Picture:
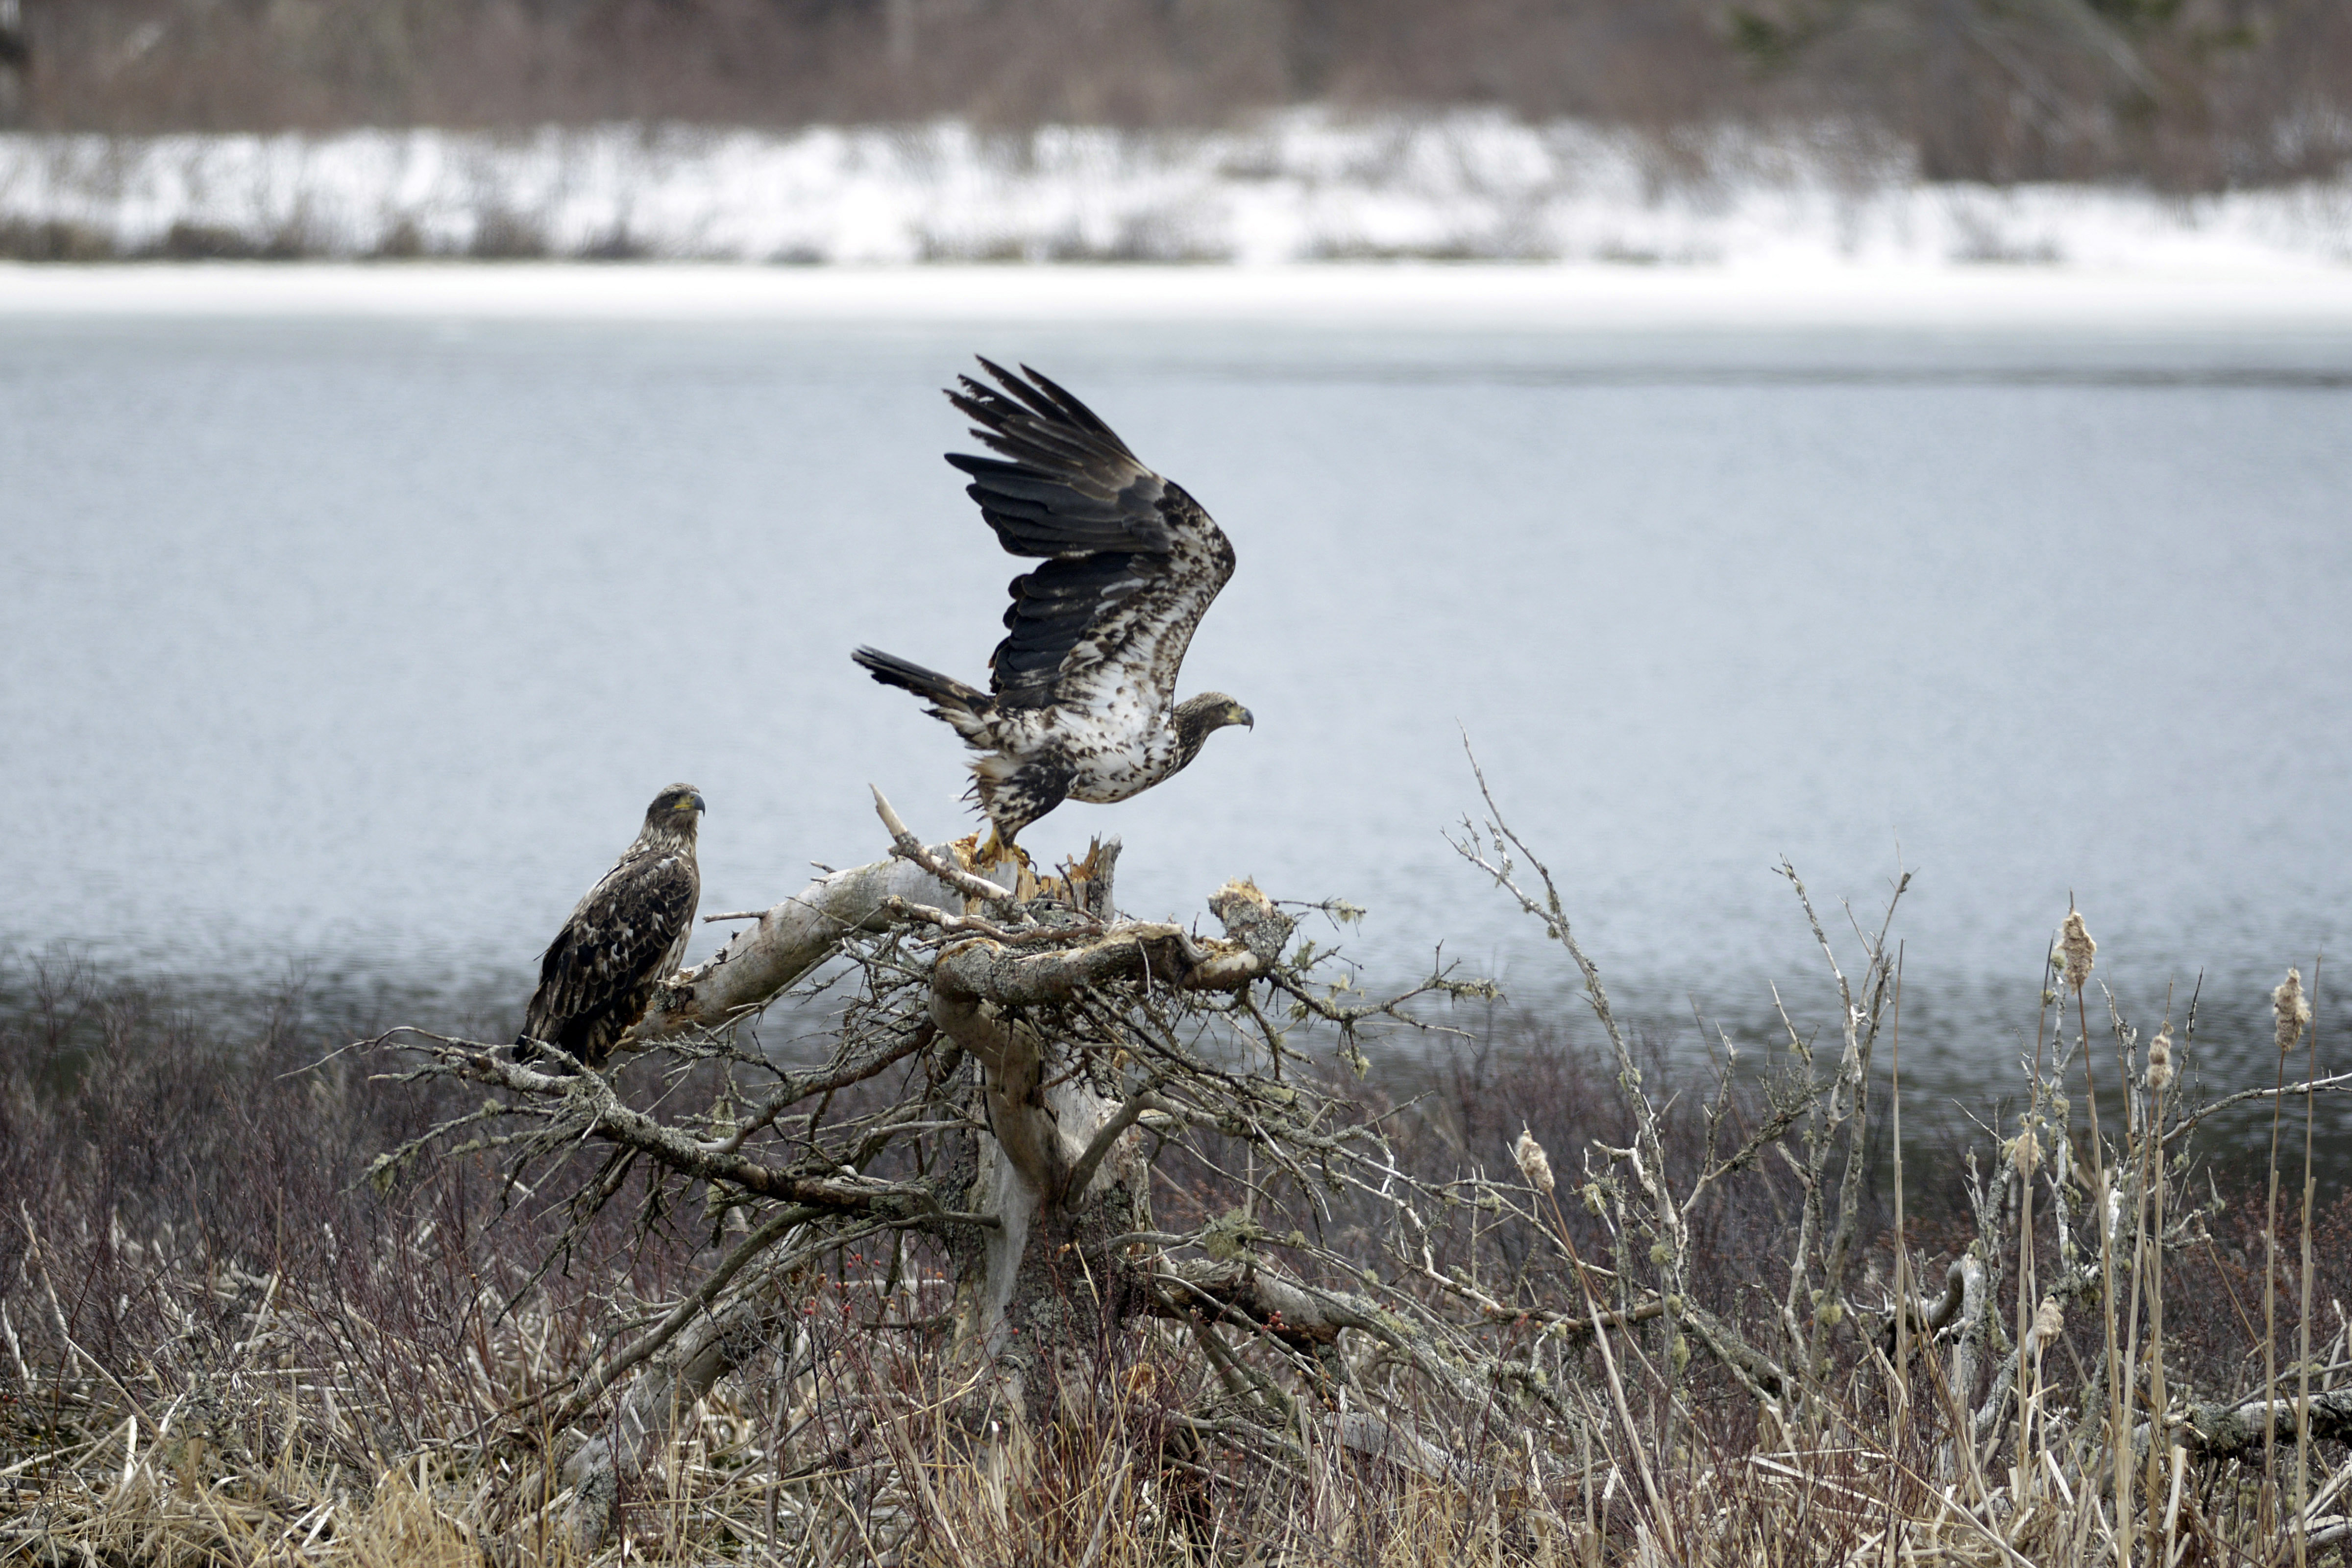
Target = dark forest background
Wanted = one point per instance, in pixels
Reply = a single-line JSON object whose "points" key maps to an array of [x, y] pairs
{"points": [[2182, 94]]}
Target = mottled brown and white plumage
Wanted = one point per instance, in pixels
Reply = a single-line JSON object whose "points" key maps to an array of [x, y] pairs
{"points": [[1081, 702], [600, 974]]}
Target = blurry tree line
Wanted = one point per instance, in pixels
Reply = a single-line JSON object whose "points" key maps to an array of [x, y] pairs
{"points": [[2184, 93]]}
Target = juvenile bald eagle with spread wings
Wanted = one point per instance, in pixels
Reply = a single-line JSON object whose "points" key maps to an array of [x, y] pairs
{"points": [[600, 974], [1081, 703]]}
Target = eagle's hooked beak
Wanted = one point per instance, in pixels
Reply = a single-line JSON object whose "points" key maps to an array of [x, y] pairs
{"points": [[1241, 717], [697, 800]]}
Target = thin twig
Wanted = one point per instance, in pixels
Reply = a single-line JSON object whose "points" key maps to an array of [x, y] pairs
{"points": [[907, 846]]}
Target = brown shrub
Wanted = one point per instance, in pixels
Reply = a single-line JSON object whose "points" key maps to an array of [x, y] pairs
{"points": [[2190, 95]]}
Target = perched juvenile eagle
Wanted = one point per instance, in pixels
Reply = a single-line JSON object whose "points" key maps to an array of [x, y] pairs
{"points": [[600, 972], [1081, 703]]}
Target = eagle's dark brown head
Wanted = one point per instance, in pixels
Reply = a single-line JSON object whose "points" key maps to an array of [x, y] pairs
{"points": [[673, 815], [1196, 716]]}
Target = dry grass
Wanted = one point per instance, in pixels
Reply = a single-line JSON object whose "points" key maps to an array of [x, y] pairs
{"points": [[222, 1347]]}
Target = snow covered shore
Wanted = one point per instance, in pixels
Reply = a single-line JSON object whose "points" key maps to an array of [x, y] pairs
{"points": [[1304, 186], [1513, 299]]}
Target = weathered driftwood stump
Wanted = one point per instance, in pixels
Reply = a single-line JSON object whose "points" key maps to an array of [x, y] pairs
{"points": [[1040, 1018]]}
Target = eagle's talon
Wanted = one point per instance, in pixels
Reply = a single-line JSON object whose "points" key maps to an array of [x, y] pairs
{"points": [[993, 851]]}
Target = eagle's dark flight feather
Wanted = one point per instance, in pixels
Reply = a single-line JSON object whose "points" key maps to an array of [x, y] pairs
{"points": [[1082, 698]]}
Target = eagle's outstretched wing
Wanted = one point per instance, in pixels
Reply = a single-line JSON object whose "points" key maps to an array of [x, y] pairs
{"points": [[1132, 561], [599, 972]]}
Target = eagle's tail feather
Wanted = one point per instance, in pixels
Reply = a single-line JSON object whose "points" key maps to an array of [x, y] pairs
{"points": [[945, 690]]}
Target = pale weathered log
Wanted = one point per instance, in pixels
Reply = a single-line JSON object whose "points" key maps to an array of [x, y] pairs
{"points": [[1048, 1134], [756, 1319], [1975, 1298], [1153, 952], [1376, 1437], [1307, 1317], [761, 962], [1047, 1124], [1051, 1188], [2226, 1431], [1245, 1292]]}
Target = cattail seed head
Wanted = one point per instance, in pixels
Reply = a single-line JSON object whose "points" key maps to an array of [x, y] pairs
{"points": [[1534, 1163], [2294, 1011], [2159, 1060], [2076, 948], [2049, 1321]]}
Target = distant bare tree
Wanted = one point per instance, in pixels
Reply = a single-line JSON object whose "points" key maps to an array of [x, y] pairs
{"points": [[2191, 95], [16, 54]]}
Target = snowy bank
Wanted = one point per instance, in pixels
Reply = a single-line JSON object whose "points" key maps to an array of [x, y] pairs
{"points": [[1303, 186], [1480, 297]]}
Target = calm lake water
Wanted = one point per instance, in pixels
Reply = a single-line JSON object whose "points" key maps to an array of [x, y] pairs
{"points": [[358, 646]]}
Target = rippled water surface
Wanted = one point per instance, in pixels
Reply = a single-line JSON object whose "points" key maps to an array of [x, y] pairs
{"points": [[360, 645]]}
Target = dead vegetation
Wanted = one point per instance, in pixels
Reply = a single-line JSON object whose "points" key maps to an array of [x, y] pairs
{"points": [[1036, 1235], [2183, 94]]}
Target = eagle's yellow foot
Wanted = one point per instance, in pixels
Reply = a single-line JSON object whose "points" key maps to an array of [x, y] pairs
{"points": [[994, 851], [983, 856]]}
